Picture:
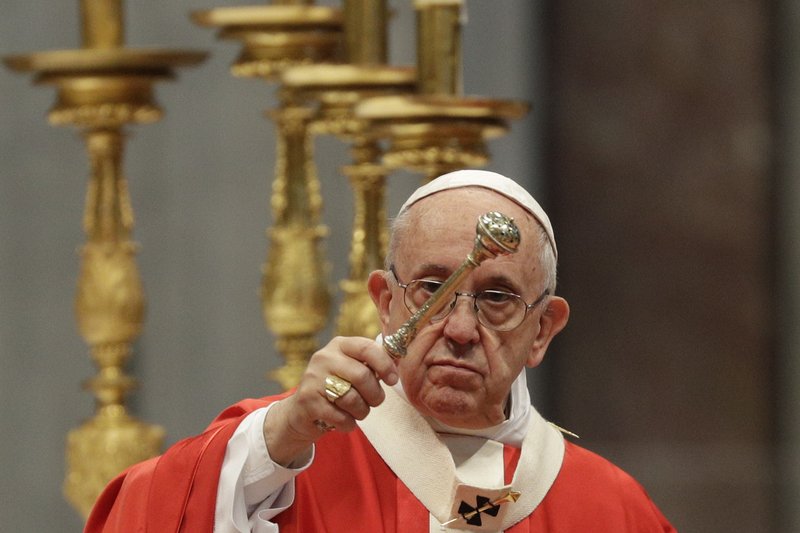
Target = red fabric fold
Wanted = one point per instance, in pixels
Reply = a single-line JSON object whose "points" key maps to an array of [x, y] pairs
{"points": [[350, 488]]}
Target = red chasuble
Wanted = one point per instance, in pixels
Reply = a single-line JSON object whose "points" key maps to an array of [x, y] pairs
{"points": [[349, 488]]}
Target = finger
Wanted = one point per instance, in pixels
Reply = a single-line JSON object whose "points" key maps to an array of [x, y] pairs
{"points": [[311, 409], [371, 354], [352, 359], [347, 398], [338, 418], [362, 379], [353, 404]]}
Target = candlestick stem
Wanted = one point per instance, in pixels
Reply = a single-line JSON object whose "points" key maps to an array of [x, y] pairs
{"points": [[102, 24]]}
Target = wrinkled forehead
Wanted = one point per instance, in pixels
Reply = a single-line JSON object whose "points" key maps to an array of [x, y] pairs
{"points": [[450, 217]]}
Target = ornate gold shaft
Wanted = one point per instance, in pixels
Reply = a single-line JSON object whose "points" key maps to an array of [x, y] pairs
{"points": [[496, 234], [110, 311], [295, 294], [357, 314]]}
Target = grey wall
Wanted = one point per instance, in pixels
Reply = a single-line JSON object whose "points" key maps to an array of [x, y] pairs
{"points": [[663, 180], [199, 181]]}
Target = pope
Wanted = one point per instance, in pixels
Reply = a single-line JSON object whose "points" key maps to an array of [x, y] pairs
{"points": [[442, 438]]}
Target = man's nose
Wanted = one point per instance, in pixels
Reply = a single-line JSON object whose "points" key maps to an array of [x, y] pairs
{"points": [[461, 323]]}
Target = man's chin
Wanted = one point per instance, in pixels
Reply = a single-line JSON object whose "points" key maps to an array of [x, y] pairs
{"points": [[450, 406]]}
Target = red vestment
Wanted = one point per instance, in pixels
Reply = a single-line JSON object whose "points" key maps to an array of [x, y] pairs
{"points": [[349, 488]]}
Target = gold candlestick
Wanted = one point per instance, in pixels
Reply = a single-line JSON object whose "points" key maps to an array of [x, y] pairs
{"points": [[294, 292], [438, 129], [336, 90], [101, 88]]}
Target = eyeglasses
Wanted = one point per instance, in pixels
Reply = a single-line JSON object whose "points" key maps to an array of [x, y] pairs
{"points": [[497, 310]]}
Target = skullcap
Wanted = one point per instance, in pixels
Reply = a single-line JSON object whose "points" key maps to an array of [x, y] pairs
{"points": [[488, 180]]}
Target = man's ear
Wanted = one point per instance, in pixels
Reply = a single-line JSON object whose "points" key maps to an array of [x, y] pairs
{"points": [[381, 294], [551, 322]]}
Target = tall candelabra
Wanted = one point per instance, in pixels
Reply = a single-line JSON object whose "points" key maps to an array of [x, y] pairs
{"points": [[102, 87], [294, 290]]}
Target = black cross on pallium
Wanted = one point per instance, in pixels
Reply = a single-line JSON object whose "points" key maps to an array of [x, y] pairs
{"points": [[472, 515]]}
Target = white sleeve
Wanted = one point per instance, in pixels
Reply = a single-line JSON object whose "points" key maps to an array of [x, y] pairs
{"points": [[253, 488]]}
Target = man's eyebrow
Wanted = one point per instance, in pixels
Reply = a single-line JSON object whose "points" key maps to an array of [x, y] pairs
{"points": [[495, 280], [432, 269], [501, 280]]}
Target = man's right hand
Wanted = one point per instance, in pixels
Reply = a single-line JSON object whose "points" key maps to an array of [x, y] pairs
{"points": [[293, 425]]}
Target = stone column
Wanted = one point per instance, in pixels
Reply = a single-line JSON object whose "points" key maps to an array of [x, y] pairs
{"points": [[660, 166], [787, 229]]}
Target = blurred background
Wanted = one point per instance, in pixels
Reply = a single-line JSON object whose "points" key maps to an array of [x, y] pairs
{"points": [[663, 141]]}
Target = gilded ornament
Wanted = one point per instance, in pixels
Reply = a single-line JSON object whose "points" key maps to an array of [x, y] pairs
{"points": [[101, 88]]}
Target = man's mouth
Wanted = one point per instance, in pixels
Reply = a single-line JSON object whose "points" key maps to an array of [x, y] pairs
{"points": [[454, 364], [452, 371]]}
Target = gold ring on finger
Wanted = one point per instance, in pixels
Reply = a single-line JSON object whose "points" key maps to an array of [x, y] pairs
{"points": [[336, 387]]}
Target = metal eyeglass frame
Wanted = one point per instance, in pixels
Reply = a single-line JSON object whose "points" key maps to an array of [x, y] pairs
{"points": [[474, 296]]}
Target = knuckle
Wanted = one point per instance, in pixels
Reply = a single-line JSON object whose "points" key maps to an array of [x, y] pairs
{"points": [[362, 374], [337, 340], [376, 399]]}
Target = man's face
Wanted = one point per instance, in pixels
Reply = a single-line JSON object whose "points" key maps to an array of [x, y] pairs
{"points": [[457, 370]]}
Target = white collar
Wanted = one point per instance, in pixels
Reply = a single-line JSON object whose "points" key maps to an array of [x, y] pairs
{"points": [[431, 476]]}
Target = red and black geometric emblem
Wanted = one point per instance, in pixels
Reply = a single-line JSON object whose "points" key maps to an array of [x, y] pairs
{"points": [[472, 515]]}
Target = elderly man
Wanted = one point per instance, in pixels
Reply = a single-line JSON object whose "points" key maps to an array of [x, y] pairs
{"points": [[442, 439]]}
